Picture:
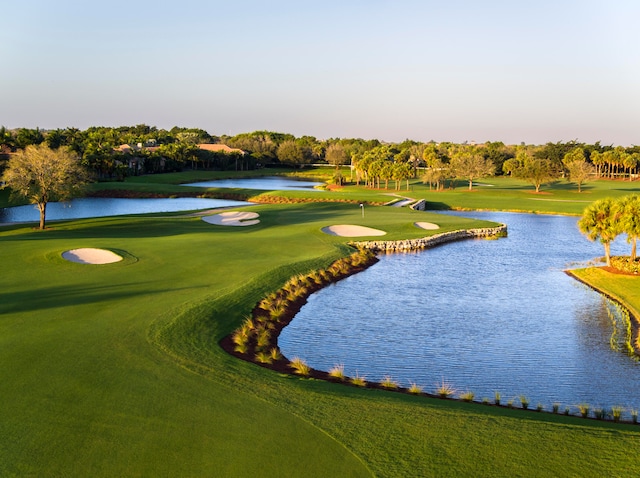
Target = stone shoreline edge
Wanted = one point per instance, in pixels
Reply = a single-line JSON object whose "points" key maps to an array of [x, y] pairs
{"points": [[410, 245], [635, 321]]}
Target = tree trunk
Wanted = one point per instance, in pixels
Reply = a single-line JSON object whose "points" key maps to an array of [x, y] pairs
{"points": [[607, 253], [42, 207], [470, 184], [633, 248]]}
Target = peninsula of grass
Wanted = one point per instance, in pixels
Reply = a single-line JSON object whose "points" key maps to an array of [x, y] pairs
{"points": [[115, 370]]}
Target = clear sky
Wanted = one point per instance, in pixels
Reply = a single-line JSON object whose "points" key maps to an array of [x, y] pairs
{"points": [[455, 70]]}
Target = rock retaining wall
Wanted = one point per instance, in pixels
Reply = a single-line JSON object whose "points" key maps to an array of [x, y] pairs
{"points": [[409, 245], [420, 205]]}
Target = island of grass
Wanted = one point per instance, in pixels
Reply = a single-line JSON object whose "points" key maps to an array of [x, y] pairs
{"points": [[117, 371]]}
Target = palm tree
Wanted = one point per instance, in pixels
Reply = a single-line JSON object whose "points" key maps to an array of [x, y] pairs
{"points": [[629, 207], [600, 221]]}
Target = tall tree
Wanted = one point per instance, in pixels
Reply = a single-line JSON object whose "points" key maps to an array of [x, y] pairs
{"points": [[7, 141], [290, 152], [336, 155], [42, 174], [577, 166], [537, 171], [629, 211], [599, 221], [468, 163]]}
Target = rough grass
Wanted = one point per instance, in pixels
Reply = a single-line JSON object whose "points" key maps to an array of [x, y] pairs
{"points": [[115, 370]]}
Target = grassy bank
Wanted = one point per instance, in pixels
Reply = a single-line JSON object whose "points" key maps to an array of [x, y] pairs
{"points": [[115, 370], [624, 289]]}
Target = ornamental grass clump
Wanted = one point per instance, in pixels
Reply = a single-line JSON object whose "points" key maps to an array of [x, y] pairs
{"points": [[415, 389], [275, 354], [555, 407], [264, 357], [584, 409], [358, 380], [389, 383], [599, 413], [496, 398], [616, 413], [337, 372], [634, 416], [300, 367], [467, 396], [539, 407], [445, 390], [524, 401]]}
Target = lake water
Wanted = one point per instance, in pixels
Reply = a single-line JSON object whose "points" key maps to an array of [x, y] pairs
{"points": [[100, 207], [480, 315], [267, 183]]}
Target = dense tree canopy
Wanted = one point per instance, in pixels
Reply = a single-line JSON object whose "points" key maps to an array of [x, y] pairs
{"points": [[42, 174]]}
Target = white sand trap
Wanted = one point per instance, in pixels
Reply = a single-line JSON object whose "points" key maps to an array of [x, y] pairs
{"points": [[427, 225], [91, 256], [233, 218], [347, 230]]}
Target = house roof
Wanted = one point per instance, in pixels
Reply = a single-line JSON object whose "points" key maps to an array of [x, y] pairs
{"points": [[219, 148]]}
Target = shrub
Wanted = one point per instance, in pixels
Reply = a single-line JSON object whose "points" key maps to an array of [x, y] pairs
{"points": [[567, 411], [584, 408], [467, 396], [415, 389], [616, 413], [300, 367], [241, 348], [389, 383], [599, 413], [524, 401], [555, 407], [634, 416], [275, 354], [264, 357], [240, 337], [359, 380], [539, 407], [337, 372], [445, 390], [496, 398], [263, 338]]}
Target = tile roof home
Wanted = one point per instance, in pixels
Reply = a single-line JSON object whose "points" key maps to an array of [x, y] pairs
{"points": [[219, 148]]}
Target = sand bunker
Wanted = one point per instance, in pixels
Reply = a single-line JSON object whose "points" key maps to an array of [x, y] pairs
{"points": [[346, 230], [233, 218], [427, 225], [91, 256]]}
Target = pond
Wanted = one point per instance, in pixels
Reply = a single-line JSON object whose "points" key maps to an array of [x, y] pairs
{"points": [[100, 207], [267, 183], [484, 316]]}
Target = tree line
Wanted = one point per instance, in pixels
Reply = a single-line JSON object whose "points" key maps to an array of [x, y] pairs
{"points": [[373, 162]]}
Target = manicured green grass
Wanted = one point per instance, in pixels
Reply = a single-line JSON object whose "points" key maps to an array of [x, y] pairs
{"points": [[115, 370]]}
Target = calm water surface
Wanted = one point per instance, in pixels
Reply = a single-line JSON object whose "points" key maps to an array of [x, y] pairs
{"points": [[269, 183], [483, 316], [100, 207]]}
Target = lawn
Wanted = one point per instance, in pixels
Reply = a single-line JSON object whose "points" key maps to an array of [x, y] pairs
{"points": [[115, 370]]}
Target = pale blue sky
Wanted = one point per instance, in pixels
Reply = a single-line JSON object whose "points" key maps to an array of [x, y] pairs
{"points": [[448, 70]]}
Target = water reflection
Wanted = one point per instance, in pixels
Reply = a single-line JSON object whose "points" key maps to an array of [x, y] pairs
{"points": [[101, 207], [267, 183], [484, 316]]}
